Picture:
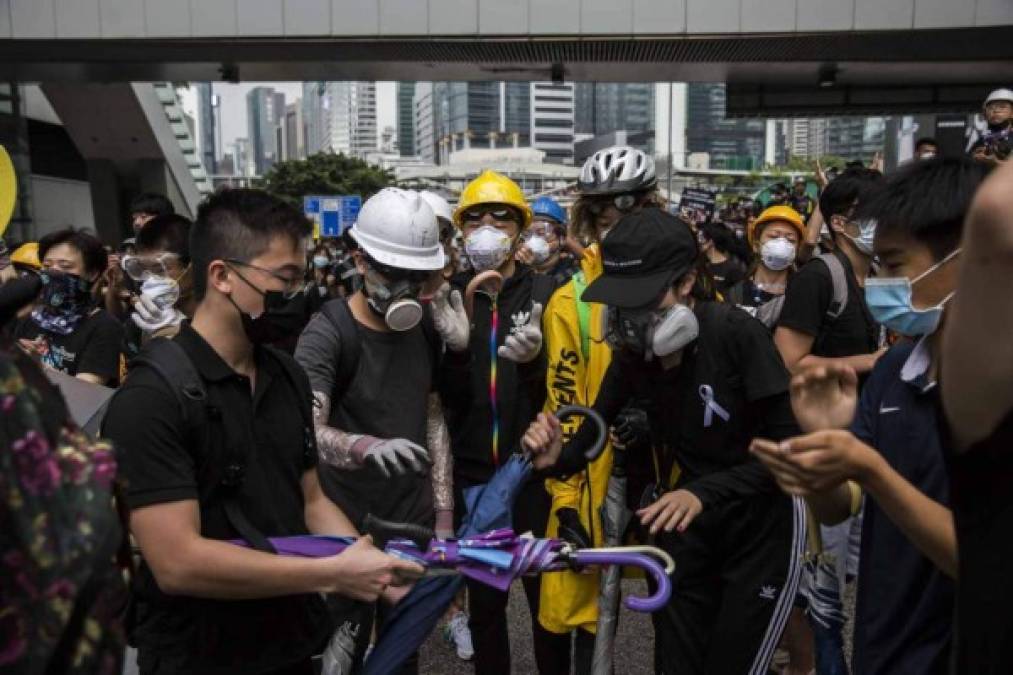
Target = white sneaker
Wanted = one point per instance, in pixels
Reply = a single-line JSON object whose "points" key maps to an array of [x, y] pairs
{"points": [[456, 633]]}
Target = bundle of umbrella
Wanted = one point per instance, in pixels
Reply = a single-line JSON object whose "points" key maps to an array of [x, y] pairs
{"points": [[486, 549]]}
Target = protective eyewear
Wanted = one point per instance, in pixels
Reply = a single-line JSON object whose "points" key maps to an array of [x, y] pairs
{"points": [[622, 202], [396, 274], [501, 214], [293, 285], [541, 228], [141, 268]]}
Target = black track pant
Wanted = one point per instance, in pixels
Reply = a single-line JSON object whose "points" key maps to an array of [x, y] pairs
{"points": [[558, 657], [736, 573]]}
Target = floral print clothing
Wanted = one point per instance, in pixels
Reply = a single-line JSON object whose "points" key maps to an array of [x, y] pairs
{"points": [[56, 522]]}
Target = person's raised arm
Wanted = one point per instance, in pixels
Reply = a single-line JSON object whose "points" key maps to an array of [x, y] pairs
{"points": [[977, 361]]}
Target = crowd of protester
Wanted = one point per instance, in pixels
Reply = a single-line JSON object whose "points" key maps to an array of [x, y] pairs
{"points": [[807, 393]]}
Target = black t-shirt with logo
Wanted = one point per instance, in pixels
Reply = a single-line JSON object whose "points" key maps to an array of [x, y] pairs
{"points": [[731, 387], [162, 463], [726, 274], [808, 297], [93, 347]]}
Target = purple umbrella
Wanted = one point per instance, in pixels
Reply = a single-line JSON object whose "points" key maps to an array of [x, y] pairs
{"points": [[486, 550]]}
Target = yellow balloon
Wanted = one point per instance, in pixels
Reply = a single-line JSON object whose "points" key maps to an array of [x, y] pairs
{"points": [[8, 189]]}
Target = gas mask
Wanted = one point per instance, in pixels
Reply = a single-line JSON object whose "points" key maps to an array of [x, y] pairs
{"points": [[393, 293], [650, 333]]}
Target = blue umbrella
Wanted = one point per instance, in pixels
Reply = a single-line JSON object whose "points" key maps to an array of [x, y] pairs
{"points": [[489, 507]]}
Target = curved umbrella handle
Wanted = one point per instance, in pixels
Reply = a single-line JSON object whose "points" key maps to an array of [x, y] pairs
{"points": [[651, 603], [492, 277], [600, 440]]}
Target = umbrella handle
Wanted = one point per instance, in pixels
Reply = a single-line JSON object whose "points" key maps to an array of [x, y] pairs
{"points": [[491, 277], [619, 556], [383, 531], [600, 440]]}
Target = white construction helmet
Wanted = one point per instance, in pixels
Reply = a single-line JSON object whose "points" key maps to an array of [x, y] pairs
{"points": [[397, 228], [616, 170], [999, 95], [438, 204]]}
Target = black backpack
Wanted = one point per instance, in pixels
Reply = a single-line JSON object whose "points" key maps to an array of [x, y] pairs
{"points": [[202, 423]]}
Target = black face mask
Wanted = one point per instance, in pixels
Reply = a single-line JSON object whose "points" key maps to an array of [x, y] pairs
{"points": [[282, 317]]}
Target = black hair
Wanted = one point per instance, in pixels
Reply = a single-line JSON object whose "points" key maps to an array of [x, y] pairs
{"points": [[852, 187], [166, 233], [239, 224], [152, 203], [927, 201], [93, 253], [925, 140], [723, 238]]}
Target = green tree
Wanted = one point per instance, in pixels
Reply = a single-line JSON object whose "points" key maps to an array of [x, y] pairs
{"points": [[324, 174]]}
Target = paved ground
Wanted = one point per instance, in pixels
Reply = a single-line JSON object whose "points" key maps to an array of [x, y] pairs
{"points": [[634, 643]]}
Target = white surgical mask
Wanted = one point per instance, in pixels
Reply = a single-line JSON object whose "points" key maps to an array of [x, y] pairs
{"points": [[488, 248], [866, 236], [777, 254]]}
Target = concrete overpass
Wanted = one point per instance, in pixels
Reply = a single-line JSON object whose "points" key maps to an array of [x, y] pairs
{"points": [[778, 56]]}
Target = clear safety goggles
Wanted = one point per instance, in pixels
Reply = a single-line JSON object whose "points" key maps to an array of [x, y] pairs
{"points": [[140, 268]]}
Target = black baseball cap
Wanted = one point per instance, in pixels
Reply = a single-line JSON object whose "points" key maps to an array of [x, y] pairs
{"points": [[642, 255]]}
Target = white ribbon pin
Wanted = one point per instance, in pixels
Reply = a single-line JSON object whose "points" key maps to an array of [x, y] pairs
{"points": [[711, 406]]}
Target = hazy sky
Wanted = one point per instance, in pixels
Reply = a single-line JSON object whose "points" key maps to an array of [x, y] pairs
{"points": [[234, 105]]}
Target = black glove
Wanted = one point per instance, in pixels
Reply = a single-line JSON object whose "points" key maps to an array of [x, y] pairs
{"points": [[631, 428], [571, 530]]}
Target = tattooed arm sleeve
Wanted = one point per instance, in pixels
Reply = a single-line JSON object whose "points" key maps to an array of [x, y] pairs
{"points": [[438, 440], [333, 445]]}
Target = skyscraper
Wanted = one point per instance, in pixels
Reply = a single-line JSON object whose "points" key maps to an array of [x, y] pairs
{"points": [[291, 133], [806, 137], [314, 114], [856, 137], [552, 120], [424, 123], [730, 143], [264, 109], [349, 118], [406, 118], [207, 127], [604, 107]]}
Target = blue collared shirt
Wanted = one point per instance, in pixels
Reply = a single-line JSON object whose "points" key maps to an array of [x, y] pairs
{"points": [[905, 604]]}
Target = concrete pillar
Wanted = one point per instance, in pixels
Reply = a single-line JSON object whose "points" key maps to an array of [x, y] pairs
{"points": [[110, 220]]}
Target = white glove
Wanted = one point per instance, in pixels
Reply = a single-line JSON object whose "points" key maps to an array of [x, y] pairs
{"points": [[397, 454], [525, 341], [450, 319], [149, 317]]}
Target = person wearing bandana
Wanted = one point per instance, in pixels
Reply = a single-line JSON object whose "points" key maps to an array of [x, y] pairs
{"points": [[66, 330], [710, 380]]}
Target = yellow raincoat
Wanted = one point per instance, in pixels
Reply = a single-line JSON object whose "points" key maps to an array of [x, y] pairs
{"points": [[578, 358]]}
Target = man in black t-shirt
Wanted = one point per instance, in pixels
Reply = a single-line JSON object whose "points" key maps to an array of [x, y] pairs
{"points": [[807, 334], [246, 470], [66, 329]]}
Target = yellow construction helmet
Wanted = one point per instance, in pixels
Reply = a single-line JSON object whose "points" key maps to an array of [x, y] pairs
{"points": [[493, 188], [8, 189], [776, 213], [28, 255]]}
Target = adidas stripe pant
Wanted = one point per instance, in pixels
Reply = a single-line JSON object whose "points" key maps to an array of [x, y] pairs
{"points": [[736, 574]]}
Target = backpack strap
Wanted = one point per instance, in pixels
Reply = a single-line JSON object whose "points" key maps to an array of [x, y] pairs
{"points": [[839, 278], [170, 362], [583, 314], [340, 316]]}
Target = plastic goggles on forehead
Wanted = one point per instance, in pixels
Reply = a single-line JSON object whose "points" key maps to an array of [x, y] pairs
{"points": [[503, 214], [622, 202], [140, 268], [396, 274]]}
